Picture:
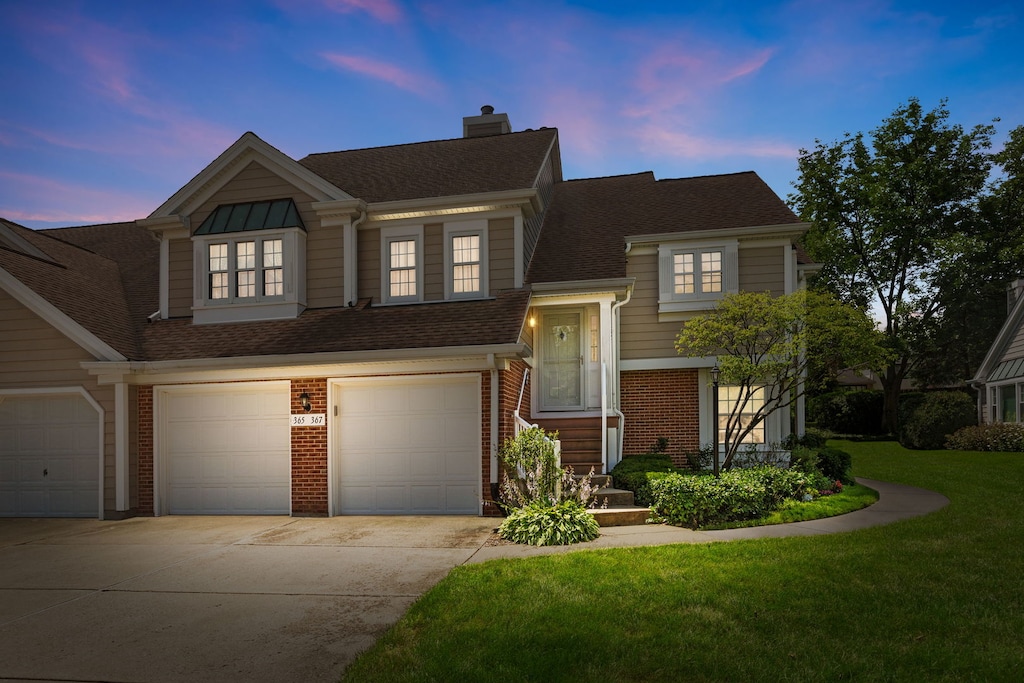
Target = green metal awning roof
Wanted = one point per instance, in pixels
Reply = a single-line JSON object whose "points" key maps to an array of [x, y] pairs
{"points": [[1008, 369], [268, 215]]}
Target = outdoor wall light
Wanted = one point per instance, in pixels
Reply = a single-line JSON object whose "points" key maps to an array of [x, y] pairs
{"points": [[304, 400], [533, 320]]}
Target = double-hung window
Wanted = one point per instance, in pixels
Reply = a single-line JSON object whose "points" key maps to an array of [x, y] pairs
{"points": [[694, 276], [465, 259], [250, 263], [729, 402], [402, 260]]}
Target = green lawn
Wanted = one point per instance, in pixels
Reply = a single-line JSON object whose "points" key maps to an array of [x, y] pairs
{"points": [[929, 599]]}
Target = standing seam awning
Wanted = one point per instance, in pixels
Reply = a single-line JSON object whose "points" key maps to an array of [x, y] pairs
{"points": [[1008, 369], [265, 215]]}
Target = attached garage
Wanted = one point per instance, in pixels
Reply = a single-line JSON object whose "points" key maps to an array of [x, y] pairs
{"points": [[224, 449], [50, 455], [408, 445]]}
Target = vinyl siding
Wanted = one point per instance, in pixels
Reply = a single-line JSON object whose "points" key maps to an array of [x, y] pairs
{"points": [[1015, 349], [762, 269], [641, 333], [433, 262], [501, 254], [33, 355], [179, 278], [369, 264]]}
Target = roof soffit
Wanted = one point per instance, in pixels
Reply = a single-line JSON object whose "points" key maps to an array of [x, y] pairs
{"points": [[233, 161]]}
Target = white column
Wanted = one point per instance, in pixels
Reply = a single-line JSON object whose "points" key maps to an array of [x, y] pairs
{"points": [[121, 499]]}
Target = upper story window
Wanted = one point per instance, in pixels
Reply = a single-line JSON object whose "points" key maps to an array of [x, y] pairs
{"points": [[250, 263], [465, 259], [694, 276], [402, 250]]}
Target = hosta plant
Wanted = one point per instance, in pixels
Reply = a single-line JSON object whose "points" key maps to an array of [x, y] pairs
{"points": [[539, 523]]}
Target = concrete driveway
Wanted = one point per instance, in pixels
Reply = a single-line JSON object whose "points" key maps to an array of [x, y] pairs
{"points": [[213, 598]]}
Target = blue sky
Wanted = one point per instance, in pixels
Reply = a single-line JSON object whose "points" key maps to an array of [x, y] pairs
{"points": [[110, 107]]}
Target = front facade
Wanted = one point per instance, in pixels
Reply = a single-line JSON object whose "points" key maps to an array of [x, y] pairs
{"points": [[356, 332], [1000, 379]]}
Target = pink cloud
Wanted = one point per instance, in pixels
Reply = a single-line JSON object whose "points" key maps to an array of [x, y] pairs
{"points": [[381, 10], [46, 200], [664, 141], [383, 71]]}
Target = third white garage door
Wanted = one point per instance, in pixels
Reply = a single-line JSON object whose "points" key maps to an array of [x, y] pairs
{"points": [[409, 445]]}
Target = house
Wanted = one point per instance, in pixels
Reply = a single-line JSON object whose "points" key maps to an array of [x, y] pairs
{"points": [[356, 332], [1000, 379]]}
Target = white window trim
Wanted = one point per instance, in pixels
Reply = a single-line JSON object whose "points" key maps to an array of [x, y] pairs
{"points": [[464, 229], [397, 234], [234, 309], [669, 301], [995, 405]]}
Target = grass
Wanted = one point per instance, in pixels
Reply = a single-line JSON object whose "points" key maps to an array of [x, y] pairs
{"points": [[853, 497], [936, 598]]}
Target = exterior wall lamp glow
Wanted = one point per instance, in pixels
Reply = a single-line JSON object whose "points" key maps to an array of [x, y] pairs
{"points": [[304, 401]]}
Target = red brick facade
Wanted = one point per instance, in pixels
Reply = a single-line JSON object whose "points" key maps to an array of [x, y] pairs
{"points": [[309, 451], [661, 403], [145, 454]]}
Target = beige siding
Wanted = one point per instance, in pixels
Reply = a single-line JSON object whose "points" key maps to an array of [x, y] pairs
{"points": [[642, 336], [369, 264], [433, 262], [1015, 349], [179, 278], [324, 246], [501, 254], [763, 269], [35, 355]]}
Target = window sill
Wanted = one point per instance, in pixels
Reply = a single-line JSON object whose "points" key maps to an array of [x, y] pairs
{"points": [[238, 313]]}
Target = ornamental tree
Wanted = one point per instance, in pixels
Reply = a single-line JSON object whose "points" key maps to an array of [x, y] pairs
{"points": [[766, 345]]}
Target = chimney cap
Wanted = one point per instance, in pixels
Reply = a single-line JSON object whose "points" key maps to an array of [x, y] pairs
{"points": [[486, 109]]}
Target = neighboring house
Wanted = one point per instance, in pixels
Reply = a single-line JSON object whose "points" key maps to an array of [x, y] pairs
{"points": [[356, 332], [1000, 379]]}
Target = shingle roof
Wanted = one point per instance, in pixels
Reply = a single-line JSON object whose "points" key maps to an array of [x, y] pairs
{"points": [[326, 330], [104, 277], [586, 225], [437, 169]]}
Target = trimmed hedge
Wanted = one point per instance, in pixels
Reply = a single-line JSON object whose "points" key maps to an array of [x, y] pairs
{"points": [[635, 472], [1000, 436], [933, 417], [696, 500]]}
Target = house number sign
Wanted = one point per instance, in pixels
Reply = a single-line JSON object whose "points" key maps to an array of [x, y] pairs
{"points": [[309, 419]]}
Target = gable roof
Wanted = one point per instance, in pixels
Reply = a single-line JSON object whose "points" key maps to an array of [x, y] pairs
{"points": [[588, 222], [999, 364], [440, 168], [103, 278]]}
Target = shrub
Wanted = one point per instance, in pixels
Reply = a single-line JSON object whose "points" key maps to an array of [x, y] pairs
{"points": [[834, 464], [1000, 436], [937, 415], [639, 483], [847, 412], [695, 500], [540, 524]]}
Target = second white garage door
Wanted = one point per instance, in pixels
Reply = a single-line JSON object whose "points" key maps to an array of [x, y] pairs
{"points": [[226, 449], [409, 445]]}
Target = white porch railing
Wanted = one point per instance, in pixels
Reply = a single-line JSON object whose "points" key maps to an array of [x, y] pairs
{"points": [[521, 424]]}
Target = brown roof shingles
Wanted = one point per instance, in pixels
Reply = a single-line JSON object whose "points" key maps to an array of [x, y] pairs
{"points": [[327, 330], [440, 168], [91, 287], [588, 221]]}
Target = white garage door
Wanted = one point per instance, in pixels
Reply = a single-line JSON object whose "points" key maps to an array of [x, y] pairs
{"points": [[226, 449], [409, 446], [49, 456]]}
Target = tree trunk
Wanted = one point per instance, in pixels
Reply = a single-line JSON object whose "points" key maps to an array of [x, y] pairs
{"points": [[892, 382]]}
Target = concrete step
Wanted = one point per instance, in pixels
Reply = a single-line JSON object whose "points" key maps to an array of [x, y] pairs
{"points": [[614, 497], [626, 515]]}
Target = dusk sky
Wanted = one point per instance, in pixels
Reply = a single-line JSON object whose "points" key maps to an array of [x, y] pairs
{"points": [[111, 106]]}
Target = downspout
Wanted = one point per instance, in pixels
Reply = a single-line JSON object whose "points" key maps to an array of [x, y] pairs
{"points": [[351, 247], [616, 384], [493, 362]]}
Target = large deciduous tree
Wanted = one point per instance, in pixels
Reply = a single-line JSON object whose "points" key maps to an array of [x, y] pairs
{"points": [[765, 346], [890, 217]]}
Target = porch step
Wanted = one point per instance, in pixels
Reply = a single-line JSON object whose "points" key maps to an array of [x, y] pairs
{"points": [[614, 497], [625, 515]]}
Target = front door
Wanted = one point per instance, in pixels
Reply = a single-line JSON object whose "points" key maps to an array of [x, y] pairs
{"points": [[561, 361]]}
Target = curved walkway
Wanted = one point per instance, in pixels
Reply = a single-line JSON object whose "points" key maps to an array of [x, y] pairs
{"points": [[895, 502]]}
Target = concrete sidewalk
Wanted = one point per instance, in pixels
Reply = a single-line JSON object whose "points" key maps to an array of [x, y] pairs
{"points": [[895, 502], [264, 598]]}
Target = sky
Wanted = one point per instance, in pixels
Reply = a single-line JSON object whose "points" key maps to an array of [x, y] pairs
{"points": [[111, 106]]}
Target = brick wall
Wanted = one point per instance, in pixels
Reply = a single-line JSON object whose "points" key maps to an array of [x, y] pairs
{"points": [[661, 403], [144, 483], [309, 452]]}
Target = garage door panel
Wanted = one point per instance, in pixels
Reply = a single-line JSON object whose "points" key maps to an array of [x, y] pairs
{"points": [[49, 456], [409, 446], [228, 450]]}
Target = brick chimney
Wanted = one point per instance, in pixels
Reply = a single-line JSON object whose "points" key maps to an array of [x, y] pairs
{"points": [[488, 123]]}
